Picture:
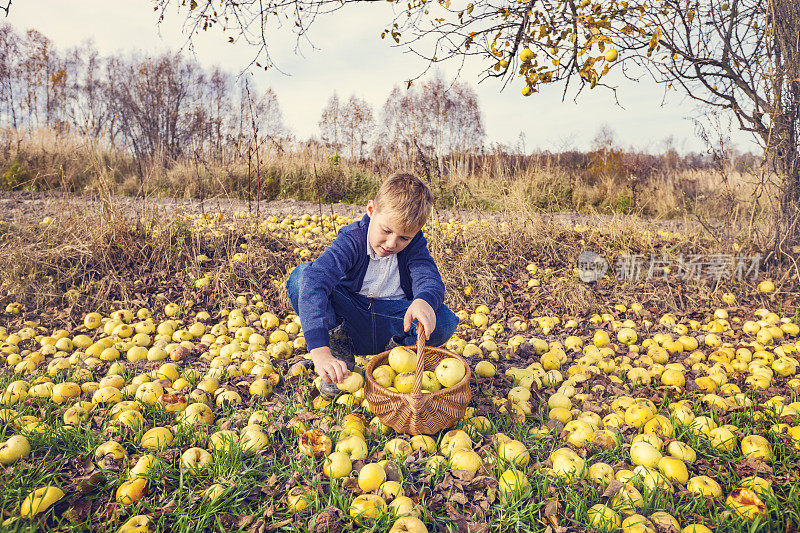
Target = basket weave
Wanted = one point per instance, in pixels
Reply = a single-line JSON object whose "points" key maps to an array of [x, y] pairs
{"points": [[419, 413]]}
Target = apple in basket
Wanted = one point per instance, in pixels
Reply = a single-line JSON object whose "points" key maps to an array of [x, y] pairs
{"points": [[401, 360]]}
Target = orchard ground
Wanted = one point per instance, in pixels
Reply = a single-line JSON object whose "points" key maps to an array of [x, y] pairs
{"points": [[657, 400]]}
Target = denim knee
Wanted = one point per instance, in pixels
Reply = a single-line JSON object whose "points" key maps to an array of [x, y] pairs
{"points": [[446, 323], [293, 285]]}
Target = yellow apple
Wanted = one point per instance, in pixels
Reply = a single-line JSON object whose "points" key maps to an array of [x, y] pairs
{"points": [[485, 369], [214, 491], [371, 477], [450, 371], [136, 524], [638, 414], [453, 440], [696, 528], [404, 382], [408, 524], [367, 507], [746, 503], [195, 459], [643, 453], [567, 464], [464, 459], [299, 499], [352, 382], [628, 500], [637, 523], [577, 433], [429, 382], [627, 336], [514, 452], [144, 466], [602, 473], [390, 490], [402, 360], [398, 448], [681, 450], [132, 491], [384, 375], [704, 486], [110, 454], [674, 470], [404, 506], [40, 500], [603, 518], [512, 482], [337, 465], [756, 446], [15, 448], [353, 446], [314, 443], [424, 442], [156, 439]]}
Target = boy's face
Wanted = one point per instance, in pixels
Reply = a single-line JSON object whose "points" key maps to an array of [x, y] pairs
{"points": [[386, 235]]}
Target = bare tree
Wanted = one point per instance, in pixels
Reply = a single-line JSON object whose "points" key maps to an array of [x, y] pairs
{"points": [[9, 53], [357, 123], [330, 123], [736, 55]]}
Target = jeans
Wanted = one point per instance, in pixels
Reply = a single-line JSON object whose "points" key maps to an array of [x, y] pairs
{"points": [[370, 324]]}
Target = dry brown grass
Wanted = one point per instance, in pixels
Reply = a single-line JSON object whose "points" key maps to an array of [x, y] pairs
{"points": [[49, 162], [97, 260]]}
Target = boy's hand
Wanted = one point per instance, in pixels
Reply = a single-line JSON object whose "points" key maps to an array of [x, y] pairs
{"points": [[329, 368], [424, 313]]}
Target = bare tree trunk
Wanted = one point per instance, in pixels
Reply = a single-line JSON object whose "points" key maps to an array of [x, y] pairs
{"points": [[783, 143]]}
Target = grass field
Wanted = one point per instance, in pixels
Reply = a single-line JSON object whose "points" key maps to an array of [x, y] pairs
{"points": [[648, 404]]}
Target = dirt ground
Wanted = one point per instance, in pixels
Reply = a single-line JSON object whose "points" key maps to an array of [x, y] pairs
{"points": [[20, 207]]}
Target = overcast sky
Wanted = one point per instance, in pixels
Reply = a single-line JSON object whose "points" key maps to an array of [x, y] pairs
{"points": [[345, 54]]}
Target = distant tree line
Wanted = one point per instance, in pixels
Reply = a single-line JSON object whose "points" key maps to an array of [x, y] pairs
{"points": [[169, 107], [165, 105]]}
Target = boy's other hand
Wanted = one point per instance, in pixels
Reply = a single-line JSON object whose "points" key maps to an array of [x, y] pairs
{"points": [[329, 368], [423, 313]]}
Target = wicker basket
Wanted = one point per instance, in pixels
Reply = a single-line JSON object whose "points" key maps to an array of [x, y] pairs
{"points": [[419, 413]]}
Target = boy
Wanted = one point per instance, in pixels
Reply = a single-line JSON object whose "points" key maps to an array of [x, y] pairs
{"points": [[362, 294]]}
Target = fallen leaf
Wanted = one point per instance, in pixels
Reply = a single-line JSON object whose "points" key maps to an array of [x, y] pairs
{"points": [[612, 489]]}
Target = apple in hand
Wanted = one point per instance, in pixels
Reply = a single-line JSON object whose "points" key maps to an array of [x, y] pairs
{"points": [[450, 372], [351, 383]]}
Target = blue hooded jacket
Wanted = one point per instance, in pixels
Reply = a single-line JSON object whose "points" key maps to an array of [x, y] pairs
{"points": [[345, 263]]}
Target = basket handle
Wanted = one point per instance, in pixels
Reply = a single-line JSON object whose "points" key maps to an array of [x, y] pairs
{"points": [[416, 391]]}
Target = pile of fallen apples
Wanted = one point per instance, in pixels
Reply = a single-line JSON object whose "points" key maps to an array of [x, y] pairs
{"points": [[170, 378]]}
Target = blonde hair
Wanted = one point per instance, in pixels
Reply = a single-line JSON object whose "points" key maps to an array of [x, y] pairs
{"points": [[407, 197]]}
